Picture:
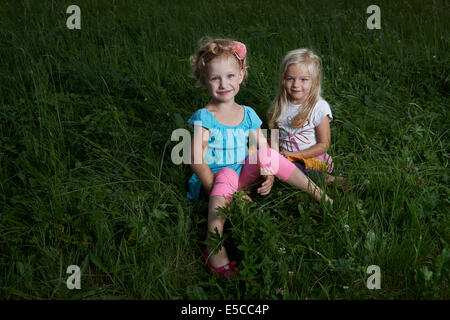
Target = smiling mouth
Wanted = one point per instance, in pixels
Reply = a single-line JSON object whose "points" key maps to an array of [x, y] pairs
{"points": [[224, 92]]}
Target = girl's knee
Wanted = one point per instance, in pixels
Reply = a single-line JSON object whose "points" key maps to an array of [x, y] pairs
{"points": [[265, 157], [266, 151], [275, 163], [328, 160], [269, 158]]}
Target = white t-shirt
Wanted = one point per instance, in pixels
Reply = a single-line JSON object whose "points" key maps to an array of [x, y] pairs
{"points": [[298, 139]]}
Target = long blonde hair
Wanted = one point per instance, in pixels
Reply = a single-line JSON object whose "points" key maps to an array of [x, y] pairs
{"points": [[312, 61]]}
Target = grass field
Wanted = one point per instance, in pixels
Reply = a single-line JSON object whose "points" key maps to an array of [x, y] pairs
{"points": [[86, 176]]}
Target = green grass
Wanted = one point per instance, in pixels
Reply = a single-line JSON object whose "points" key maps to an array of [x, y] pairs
{"points": [[86, 176]]}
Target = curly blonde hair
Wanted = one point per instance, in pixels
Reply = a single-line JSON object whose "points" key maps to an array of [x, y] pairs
{"points": [[313, 63], [210, 49]]}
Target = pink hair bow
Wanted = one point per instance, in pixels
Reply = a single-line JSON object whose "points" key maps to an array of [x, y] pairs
{"points": [[239, 49]]}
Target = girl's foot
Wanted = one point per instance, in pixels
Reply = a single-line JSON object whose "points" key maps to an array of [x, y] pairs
{"points": [[225, 270], [329, 200], [340, 182], [216, 259]]}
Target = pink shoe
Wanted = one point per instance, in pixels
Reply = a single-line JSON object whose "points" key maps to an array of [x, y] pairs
{"points": [[225, 271]]}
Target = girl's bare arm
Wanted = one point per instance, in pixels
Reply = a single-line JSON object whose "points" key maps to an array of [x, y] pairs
{"points": [[198, 163]]}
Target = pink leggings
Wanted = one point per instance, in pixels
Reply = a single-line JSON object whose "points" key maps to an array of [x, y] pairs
{"points": [[227, 181]]}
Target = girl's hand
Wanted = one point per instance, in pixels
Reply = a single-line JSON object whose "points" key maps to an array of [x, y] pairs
{"points": [[287, 153], [266, 186]]}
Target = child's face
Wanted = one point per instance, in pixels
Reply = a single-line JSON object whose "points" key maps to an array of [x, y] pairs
{"points": [[298, 83], [223, 78]]}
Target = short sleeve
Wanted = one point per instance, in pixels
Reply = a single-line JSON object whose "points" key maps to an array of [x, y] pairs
{"points": [[201, 118], [254, 122], [321, 110]]}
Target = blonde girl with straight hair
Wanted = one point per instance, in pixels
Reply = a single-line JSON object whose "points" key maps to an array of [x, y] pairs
{"points": [[302, 115]]}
